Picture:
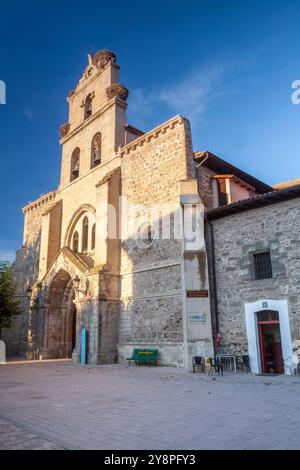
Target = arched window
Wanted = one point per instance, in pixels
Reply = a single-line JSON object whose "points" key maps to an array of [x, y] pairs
{"points": [[96, 150], [85, 235], [75, 242], [75, 164], [88, 106], [93, 243]]}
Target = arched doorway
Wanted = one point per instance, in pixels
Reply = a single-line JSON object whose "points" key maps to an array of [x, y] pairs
{"points": [[270, 342], [59, 337]]}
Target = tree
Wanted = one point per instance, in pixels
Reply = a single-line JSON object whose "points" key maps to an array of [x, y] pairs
{"points": [[10, 306]]}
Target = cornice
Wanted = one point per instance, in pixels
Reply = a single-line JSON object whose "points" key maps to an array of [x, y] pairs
{"points": [[94, 170], [153, 134], [107, 177], [38, 202]]}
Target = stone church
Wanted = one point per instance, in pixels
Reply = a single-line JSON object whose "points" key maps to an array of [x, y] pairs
{"points": [[108, 250]]}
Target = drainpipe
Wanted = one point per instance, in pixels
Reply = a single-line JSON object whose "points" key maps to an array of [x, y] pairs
{"points": [[215, 317], [183, 292]]}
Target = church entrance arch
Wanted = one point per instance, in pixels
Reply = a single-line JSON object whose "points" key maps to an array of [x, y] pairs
{"points": [[59, 336]]}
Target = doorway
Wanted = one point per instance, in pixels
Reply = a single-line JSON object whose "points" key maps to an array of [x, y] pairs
{"points": [[281, 307], [270, 342], [59, 338]]}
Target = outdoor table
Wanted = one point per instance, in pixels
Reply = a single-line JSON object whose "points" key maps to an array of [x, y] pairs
{"points": [[232, 357]]}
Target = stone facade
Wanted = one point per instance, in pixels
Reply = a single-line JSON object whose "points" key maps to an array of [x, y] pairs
{"points": [[272, 228], [127, 295], [151, 287]]}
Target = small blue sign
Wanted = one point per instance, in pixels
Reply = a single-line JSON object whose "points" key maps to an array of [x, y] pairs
{"points": [[83, 346], [198, 317]]}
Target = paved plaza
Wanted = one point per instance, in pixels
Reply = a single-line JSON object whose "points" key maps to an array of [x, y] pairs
{"points": [[59, 405]]}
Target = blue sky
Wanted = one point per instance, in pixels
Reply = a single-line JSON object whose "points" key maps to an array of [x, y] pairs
{"points": [[228, 65]]}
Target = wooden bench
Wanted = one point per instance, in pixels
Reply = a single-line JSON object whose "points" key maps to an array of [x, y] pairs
{"points": [[146, 356]]}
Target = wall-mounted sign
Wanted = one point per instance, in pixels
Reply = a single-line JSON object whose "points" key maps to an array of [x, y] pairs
{"points": [[264, 304], [197, 293], [197, 317]]}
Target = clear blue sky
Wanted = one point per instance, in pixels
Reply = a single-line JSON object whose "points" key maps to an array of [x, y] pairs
{"points": [[227, 65]]}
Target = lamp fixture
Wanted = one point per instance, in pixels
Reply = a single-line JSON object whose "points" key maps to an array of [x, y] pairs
{"points": [[76, 284]]}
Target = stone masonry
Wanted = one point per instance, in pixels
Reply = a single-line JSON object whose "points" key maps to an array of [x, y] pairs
{"points": [[108, 251], [127, 295], [236, 237]]}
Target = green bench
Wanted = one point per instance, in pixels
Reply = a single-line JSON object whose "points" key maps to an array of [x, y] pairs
{"points": [[146, 356]]}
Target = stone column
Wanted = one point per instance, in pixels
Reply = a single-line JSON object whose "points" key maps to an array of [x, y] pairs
{"points": [[93, 331], [40, 328], [109, 322], [87, 315], [31, 352]]}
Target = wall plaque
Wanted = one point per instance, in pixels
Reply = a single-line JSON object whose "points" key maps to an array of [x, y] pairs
{"points": [[197, 293], [201, 317]]}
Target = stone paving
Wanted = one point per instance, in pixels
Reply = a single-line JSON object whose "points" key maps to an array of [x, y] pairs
{"points": [[63, 406], [17, 438]]}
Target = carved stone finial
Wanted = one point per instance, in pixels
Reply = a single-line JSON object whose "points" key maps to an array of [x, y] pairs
{"points": [[64, 130], [116, 89], [102, 58]]}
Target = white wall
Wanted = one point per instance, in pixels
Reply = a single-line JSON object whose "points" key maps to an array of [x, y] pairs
{"points": [[252, 332]]}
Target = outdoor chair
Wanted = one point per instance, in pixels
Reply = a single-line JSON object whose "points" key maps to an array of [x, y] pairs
{"points": [[244, 363], [214, 365], [198, 362]]}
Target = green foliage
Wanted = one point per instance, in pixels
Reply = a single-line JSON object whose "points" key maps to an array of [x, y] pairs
{"points": [[9, 305]]}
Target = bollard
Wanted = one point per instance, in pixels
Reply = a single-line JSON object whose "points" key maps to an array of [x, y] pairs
{"points": [[83, 346]]}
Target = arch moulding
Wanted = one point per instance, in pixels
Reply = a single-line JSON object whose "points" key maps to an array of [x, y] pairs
{"points": [[74, 219]]}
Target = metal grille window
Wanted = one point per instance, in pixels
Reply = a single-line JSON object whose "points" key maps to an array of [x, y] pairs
{"points": [[262, 265]]}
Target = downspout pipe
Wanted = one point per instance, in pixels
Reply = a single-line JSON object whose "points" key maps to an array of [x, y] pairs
{"points": [[214, 297]]}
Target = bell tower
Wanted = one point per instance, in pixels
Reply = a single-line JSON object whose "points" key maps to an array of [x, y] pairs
{"points": [[97, 118]]}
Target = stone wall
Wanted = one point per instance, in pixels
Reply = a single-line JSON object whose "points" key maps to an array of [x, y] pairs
{"points": [[236, 237], [33, 213], [238, 192], [82, 191], [26, 272], [205, 186], [151, 287], [16, 336]]}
